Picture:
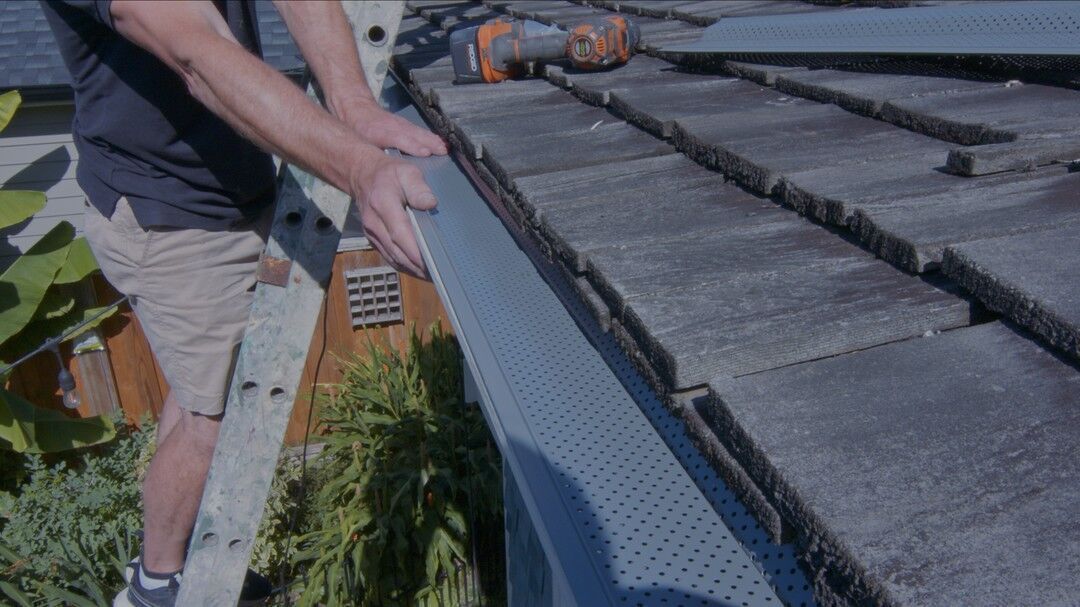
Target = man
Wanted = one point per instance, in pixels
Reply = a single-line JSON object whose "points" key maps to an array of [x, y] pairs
{"points": [[175, 118]]}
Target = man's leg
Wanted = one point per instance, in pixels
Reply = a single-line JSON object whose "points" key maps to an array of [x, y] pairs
{"points": [[170, 414], [173, 488], [191, 290]]}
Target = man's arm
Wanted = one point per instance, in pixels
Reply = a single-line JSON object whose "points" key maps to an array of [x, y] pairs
{"points": [[326, 41], [193, 39]]}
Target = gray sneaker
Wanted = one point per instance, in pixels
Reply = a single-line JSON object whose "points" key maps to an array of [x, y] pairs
{"points": [[136, 595], [255, 592]]}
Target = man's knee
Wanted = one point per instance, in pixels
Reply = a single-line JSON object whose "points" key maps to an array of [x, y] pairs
{"points": [[200, 431]]}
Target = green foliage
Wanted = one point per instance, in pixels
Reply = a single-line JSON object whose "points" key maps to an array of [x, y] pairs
{"points": [[269, 553], [83, 588], [30, 276], [25, 428], [68, 530], [406, 465], [9, 102], [40, 302], [16, 206]]}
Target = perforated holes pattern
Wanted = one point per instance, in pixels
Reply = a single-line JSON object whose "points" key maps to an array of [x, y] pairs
{"points": [[776, 562], [650, 531]]}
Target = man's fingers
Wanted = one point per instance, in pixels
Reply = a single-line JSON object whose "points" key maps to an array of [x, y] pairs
{"points": [[386, 130], [380, 237], [430, 142], [423, 144], [402, 235], [417, 193], [391, 221], [420, 141], [388, 189]]}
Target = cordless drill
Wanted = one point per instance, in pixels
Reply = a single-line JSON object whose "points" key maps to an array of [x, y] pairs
{"points": [[500, 48]]}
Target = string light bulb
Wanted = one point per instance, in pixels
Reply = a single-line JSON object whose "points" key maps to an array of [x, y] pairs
{"points": [[67, 384], [65, 379]]}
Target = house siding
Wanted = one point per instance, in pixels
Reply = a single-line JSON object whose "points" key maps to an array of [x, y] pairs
{"points": [[37, 153]]}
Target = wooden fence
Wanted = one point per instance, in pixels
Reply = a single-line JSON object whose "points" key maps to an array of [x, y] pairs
{"points": [[125, 374]]}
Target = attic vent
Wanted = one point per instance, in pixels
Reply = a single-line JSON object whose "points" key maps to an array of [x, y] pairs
{"points": [[374, 296]]}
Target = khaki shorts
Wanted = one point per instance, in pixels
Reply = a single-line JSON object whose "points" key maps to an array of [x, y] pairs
{"points": [[191, 290]]}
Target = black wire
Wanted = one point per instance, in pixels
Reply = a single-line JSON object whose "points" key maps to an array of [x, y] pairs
{"points": [[302, 489], [52, 342]]}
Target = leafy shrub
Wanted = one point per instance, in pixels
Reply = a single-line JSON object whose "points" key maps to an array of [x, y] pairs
{"points": [[69, 529], [68, 521], [269, 553], [407, 465]]}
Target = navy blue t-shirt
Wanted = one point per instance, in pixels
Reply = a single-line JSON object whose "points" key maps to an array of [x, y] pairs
{"points": [[141, 134]]}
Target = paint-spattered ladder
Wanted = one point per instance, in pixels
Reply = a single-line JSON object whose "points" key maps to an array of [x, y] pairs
{"points": [[293, 274]]}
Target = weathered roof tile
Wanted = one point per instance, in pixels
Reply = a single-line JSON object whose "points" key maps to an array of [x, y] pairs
{"points": [[758, 146], [913, 233], [928, 471], [866, 93], [1022, 155], [998, 115], [1030, 278]]}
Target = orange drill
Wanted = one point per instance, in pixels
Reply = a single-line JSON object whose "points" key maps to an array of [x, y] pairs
{"points": [[500, 48]]}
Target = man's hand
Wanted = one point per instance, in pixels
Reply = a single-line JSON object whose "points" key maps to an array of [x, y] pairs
{"points": [[326, 41], [385, 130], [382, 188], [193, 39]]}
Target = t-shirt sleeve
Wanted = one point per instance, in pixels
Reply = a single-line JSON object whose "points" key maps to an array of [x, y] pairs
{"points": [[98, 10]]}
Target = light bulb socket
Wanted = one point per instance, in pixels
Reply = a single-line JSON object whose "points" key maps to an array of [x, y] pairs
{"points": [[66, 380]]}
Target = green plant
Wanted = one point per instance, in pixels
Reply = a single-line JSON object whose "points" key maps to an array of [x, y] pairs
{"points": [[68, 529], [41, 296], [83, 588], [406, 467], [269, 553]]}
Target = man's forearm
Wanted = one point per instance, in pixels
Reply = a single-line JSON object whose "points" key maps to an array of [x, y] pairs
{"points": [[257, 101], [323, 34], [193, 39], [267, 108]]}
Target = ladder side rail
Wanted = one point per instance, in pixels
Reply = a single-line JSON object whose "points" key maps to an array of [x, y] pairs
{"points": [[294, 272]]}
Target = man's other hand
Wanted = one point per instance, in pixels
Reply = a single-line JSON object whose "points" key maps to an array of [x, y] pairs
{"points": [[382, 189], [385, 130]]}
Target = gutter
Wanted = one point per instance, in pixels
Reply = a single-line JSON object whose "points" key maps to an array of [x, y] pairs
{"points": [[600, 510]]}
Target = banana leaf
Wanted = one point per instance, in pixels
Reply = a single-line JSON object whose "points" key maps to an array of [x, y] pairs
{"points": [[24, 284], [17, 206], [56, 303], [37, 331], [9, 102], [25, 428], [79, 264]]}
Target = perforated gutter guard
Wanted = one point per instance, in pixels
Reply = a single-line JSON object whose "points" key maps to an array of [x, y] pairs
{"points": [[619, 519], [1006, 29]]}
